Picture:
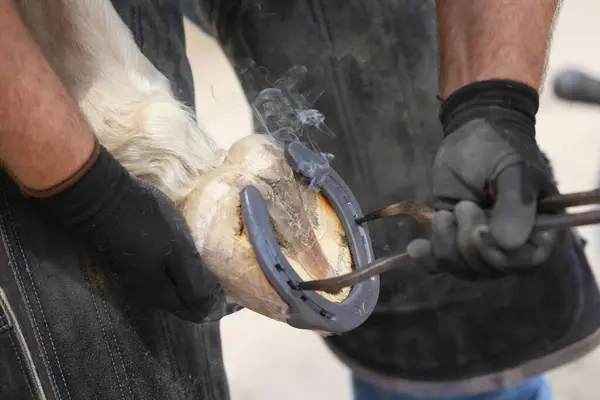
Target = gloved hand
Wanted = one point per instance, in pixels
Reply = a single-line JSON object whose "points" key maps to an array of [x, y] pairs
{"points": [[490, 157], [461, 244], [137, 233]]}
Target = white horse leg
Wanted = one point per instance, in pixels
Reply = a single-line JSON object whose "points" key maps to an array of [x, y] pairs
{"points": [[126, 100]]}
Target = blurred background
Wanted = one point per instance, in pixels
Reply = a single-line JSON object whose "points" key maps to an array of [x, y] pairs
{"points": [[267, 360]]}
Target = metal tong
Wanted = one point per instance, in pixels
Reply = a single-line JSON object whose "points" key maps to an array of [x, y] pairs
{"points": [[552, 216]]}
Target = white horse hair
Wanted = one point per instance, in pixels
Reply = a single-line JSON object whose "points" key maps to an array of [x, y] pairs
{"points": [[128, 103]]}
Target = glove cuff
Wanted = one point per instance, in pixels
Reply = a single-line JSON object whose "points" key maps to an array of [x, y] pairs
{"points": [[86, 200], [64, 185], [476, 99]]}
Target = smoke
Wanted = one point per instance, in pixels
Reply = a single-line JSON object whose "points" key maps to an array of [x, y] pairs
{"points": [[283, 108]]}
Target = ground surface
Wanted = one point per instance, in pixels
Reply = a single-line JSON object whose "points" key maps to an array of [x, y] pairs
{"points": [[269, 361]]}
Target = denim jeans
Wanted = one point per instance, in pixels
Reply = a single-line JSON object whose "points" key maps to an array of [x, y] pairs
{"points": [[534, 389], [68, 331]]}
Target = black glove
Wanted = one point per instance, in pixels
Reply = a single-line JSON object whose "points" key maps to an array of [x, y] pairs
{"points": [[139, 235], [461, 244], [490, 147], [489, 157]]}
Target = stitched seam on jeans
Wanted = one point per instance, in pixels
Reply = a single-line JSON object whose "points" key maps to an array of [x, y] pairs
{"points": [[174, 368], [44, 319], [206, 335], [35, 292], [25, 350], [119, 353], [25, 375], [173, 365], [4, 323], [104, 336], [29, 307]]}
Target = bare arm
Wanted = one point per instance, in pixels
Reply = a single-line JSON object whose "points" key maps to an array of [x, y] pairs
{"points": [[44, 139], [496, 39], [493, 56]]}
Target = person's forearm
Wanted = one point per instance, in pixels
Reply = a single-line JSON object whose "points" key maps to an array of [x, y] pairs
{"points": [[493, 39], [44, 139]]}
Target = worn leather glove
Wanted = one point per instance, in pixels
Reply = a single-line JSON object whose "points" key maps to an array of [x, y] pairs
{"points": [[489, 157], [135, 232]]}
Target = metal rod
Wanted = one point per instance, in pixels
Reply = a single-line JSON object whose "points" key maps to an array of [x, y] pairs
{"points": [[420, 212], [379, 266], [563, 201], [424, 214], [542, 222], [560, 221]]}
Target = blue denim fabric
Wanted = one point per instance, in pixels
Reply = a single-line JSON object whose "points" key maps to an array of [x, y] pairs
{"points": [[534, 389]]}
